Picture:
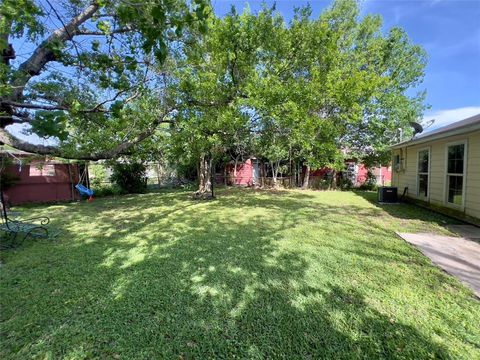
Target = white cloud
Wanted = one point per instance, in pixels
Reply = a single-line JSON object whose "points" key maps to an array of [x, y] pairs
{"points": [[448, 116]]}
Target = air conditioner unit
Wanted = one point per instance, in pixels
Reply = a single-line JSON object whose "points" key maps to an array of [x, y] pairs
{"points": [[387, 194]]}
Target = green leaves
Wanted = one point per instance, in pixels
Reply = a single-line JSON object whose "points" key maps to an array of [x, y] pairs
{"points": [[158, 15], [49, 124], [161, 51], [249, 82], [20, 17], [104, 26], [95, 45], [312, 88]]}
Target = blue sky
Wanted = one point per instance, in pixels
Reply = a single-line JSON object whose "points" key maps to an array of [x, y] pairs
{"points": [[449, 30]]}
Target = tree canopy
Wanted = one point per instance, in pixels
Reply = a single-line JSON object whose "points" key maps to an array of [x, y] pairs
{"points": [[171, 77], [90, 78]]}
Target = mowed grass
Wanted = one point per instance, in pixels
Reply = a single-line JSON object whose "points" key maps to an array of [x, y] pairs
{"points": [[290, 274]]}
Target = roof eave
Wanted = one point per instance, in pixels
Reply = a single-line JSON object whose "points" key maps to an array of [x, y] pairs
{"points": [[439, 136]]}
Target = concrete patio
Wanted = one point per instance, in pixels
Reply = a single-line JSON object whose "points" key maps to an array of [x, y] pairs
{"points": [[459, 256]]}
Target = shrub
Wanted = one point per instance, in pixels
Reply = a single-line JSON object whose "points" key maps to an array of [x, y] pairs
{"points": [[98, 176], [109, 190], [370, 182], [8, 180], [6, 177], [130, 177], [345, 183], [187, 171], [368, 187]]}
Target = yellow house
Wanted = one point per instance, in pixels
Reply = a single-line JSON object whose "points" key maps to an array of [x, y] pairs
{"points": [[441, 169]]}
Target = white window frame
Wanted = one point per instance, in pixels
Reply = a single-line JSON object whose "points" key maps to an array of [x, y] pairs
{"points": [[423, 173], [463, 142]]}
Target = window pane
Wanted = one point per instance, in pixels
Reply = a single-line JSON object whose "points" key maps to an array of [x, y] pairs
{"points": [[422, 185], [455, 159], [397, 159], [40, 169], [423, 161], [455, 187]]}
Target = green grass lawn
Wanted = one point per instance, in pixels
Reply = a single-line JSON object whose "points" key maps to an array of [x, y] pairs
{"points": [[297, 274]]}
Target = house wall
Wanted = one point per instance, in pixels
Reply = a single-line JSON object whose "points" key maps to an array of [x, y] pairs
{"points": [[437, 177], [383, 174], [244, 173], [33, 187]]}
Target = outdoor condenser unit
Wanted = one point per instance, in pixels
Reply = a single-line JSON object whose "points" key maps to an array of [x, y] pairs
{"points": [[387, 194]]}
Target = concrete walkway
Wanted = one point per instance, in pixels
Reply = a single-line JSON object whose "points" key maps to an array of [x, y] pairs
{"points": [[459, 256]]}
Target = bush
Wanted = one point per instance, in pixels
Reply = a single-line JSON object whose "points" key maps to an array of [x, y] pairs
{"points": [[345, 183], [370, 182], [8, 180], [108, 190], [186, 171], [6, 177], [130, 177], [98, 176], [368, 187]]}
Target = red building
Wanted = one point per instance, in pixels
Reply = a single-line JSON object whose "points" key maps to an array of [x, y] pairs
{"points": [[248, 173], [245, 174], [358, 173], [383, 174], [38, 181]]}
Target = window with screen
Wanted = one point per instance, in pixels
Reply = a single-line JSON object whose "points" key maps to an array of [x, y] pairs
{"points": [[455, 173], [423, 170], [41, 169]]}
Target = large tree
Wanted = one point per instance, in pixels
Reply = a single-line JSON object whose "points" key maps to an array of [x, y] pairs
{"points": [[313, 89], [308, 90], [338, 85], [214, 78], [80, 82]]}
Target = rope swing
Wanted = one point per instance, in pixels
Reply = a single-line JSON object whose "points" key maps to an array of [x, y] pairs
{"points": [[82, 189]]}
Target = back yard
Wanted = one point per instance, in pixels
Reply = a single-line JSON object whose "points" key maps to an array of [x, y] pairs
{"points": [[285, 274]]}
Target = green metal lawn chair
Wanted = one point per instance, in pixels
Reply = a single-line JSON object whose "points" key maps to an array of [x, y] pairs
{"points": [[11, 226]]}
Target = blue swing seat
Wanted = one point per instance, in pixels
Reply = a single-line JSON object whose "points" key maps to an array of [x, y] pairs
{"points": [[83, 190]]}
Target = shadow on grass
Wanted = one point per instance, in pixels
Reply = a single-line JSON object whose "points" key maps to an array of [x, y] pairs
{"points": [[408, 211], [198, 280]]}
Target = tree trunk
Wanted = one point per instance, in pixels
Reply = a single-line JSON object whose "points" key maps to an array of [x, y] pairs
{"points": [[306, 177], [275, 166], [225, 182], [274, 178], [159, 178], [262, 174], [235, 171], [334, 180], [298, 174], [204, 179], [290, 185]]}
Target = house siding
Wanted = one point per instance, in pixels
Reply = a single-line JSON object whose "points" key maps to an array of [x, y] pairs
{"points": [[40, 188], [437, 178], [244, 173]]}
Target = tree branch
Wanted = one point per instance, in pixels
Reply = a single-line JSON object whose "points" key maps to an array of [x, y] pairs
{"points": [[44, 52], [34, 106], [121, 149], [64, 26], [100, 33], [96, 108]]}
